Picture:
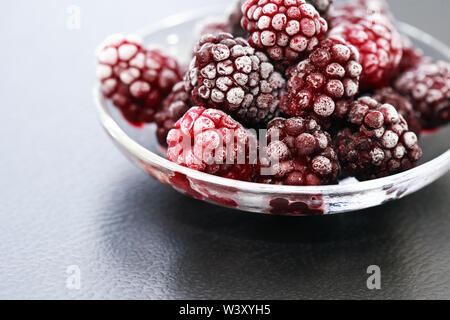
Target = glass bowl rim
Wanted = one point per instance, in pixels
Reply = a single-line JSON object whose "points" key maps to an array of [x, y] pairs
{"points": [[144, 154]]}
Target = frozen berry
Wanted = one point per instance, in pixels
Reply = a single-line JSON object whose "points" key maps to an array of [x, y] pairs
{"points": [[428, 87], [378, 143], [285, 29], [134, 78], [210, 141], [298, 153], [324, 85], [322, 6], [380, 47], [174, 107], [227, 74], [403, 106]]}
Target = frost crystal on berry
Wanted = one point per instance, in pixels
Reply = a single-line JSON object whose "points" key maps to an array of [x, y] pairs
{"points": [[298, 153], [428, 88], [377, 143], [210, 141]]}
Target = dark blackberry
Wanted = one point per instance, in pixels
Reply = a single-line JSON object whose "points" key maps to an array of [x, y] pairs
{"points": [[134, 78], [286, 30], [403, 106]]}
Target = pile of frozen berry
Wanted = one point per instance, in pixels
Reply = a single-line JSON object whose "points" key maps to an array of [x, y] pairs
{"points": [[293, 92]]}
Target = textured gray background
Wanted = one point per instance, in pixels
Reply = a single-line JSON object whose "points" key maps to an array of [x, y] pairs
{"points": [[67, 197]]}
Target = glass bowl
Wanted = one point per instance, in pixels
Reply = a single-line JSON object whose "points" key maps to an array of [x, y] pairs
{"points": [[175, 34]]}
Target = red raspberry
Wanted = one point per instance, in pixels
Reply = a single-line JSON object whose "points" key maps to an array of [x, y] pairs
{"points": [[322, 6], [324, 85], [285, 29], [403, 106], [134, 78], [428, 87], [380, 47], [299, 153], [227, 74], [174, 107], [210, 141], [378, 143]]}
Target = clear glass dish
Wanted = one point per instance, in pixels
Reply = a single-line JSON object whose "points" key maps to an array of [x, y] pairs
{"points": [[176, 34]]}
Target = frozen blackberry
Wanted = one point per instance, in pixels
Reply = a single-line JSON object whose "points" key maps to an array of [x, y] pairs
{"points": [[227, 74], [428, 87], [174, 107], [378, 143], [322, 6], [412, 56], [323, 86], [210, 141], [134, 78], [285, 29], [403, 106], [234, 19], [298, 153], [380, 48]]}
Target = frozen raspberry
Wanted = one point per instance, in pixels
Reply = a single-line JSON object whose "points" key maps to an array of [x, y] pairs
{"points": [[231, 23], [298, 153], [323, 86], [227, 74], [134, 78], [403, 106], [380, 48], [285, 29], [322, 6], [174, 107], [210, 141], [378, 143], [428, 87]]}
